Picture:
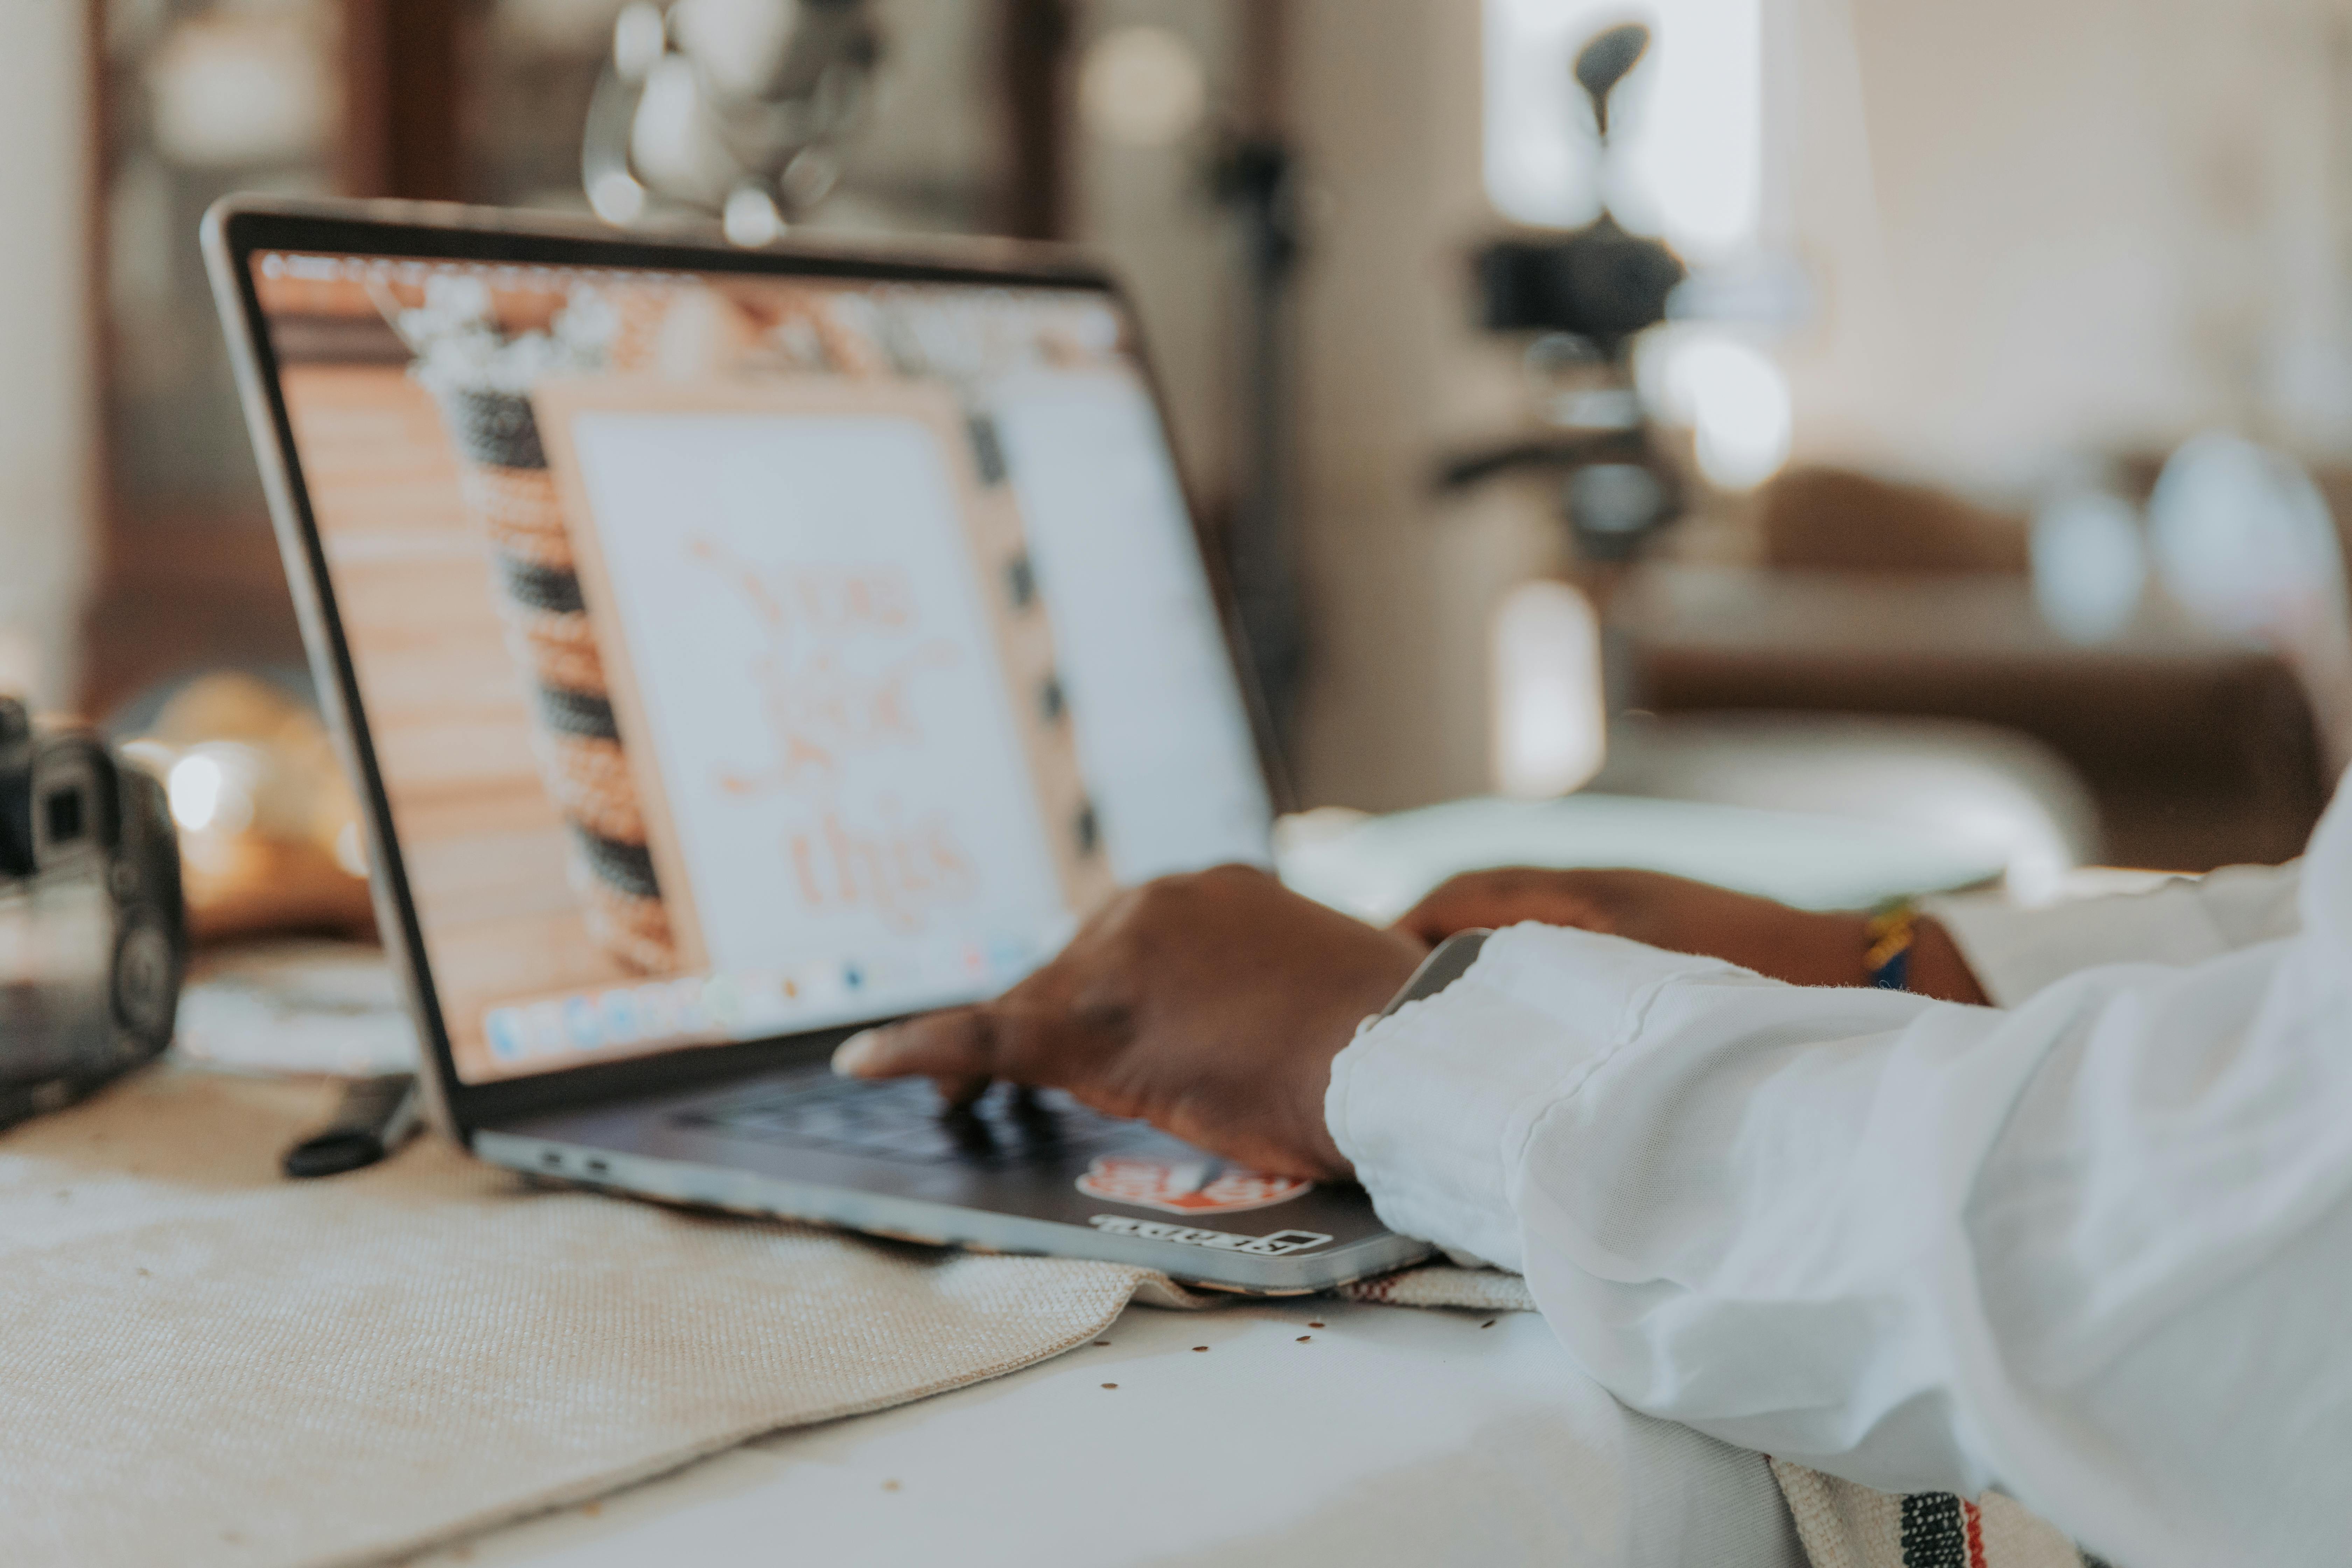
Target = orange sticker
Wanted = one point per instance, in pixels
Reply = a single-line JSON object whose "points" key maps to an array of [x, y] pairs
{"points": [[1195, 1187]]}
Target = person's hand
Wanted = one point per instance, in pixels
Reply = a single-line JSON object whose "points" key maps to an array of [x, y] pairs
{"points": [[1208, 1004], [1671, 912], [1800, 946]]}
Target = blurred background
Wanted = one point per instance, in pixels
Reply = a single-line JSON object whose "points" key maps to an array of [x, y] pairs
{"points": [[1939, 415]]}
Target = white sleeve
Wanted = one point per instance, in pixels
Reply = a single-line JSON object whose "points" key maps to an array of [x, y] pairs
{"points": [[2094, 1251], [2016, 952]]}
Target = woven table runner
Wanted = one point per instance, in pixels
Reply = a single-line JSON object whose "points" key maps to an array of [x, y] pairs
{"points": [[206, 1363]]}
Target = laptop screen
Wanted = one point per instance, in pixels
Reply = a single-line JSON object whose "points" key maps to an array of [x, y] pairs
{"points": [[751, 654]]}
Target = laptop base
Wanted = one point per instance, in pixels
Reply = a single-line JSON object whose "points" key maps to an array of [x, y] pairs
{"points": [[849, 1160]]}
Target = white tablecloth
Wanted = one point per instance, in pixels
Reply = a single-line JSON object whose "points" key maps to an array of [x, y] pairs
{"points": [[1389, 1436]]}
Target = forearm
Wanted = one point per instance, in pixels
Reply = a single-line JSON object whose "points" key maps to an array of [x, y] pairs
{"points": [[1916, 1245], [1802, 947]]}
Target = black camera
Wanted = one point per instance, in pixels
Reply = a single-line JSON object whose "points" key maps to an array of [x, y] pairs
{"points": [[1599, 283], [93, 935], [1592, 292]]}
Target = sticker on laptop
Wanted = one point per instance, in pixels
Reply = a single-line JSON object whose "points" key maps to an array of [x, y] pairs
{"points": [[1185, 1186], [1280, 1244]]}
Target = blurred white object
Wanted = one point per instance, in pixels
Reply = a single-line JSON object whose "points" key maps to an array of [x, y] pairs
{"points": [[1973, 788], [1761, 292], [301, 1006], [736, 108], [1687, 127], [1550, 732], [1376, 867], [2090, 564], [673, 144], [639, 36], [739, 45], [2246, 544], [750, 218], [20, 660], [1728, 392], [232, 91], [350, 850], [204, 796], [616, 197], [2243, 540], [1141, 86]]}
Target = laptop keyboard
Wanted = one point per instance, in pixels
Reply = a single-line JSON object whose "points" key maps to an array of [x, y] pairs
{"points": [[902, 1120]]}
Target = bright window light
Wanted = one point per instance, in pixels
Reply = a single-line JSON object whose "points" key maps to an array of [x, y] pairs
{"points": [[211, 787], [1689, 123], [351, 852], [194, 790], [1550, 734], [1729, 393]]}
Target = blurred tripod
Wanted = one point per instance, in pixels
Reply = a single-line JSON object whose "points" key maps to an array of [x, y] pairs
{"points": [[1587, 294]]}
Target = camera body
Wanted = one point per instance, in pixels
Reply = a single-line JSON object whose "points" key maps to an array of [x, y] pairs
{"points": [[93, 934], [1599, 283]]}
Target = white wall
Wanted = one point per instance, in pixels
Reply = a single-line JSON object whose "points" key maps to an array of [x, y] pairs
{"points": [[2051, 228], [1400, 587], [2039, 227], [1153, 210], [46, 425]]}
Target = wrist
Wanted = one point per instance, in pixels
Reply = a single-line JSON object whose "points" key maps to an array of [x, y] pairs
{"points": [[1932, 964], [1939, 970], [1814, 949], [1888, 933]]}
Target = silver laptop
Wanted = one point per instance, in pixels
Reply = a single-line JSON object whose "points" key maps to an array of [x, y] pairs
{"points": [[737, 649]]}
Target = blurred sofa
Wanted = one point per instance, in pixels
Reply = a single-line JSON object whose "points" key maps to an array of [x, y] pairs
{"points": [[1877, 598]]}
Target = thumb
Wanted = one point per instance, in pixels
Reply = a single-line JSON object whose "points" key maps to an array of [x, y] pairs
{"points": [[963, 1048], [956, 1048], [1439, 916]]}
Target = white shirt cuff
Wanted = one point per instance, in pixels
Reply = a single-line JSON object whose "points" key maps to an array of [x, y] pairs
{"points": [[1435, 1105], [2016, 953]]}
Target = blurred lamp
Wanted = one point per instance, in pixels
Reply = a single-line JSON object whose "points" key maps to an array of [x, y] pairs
{"points": [[750, 216]]}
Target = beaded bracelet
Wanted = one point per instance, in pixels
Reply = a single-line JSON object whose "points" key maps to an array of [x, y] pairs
{"points": [[1887, 953]]}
